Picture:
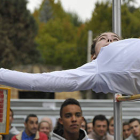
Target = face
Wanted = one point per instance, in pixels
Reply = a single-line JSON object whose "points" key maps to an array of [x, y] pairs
{"points": [[126, 131], [31, 126], [100, 127], [111, 127], [104, 40], [89, 128], [71, 119], [50, 122], [83, 125], [44, 127], [135, 128]]}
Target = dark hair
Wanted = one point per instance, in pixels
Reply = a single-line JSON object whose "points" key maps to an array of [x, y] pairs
{"points": [[58, 128], [125, 123], [12, 112], [69, 101], [134, 119], [101, 118], [30, 115]]}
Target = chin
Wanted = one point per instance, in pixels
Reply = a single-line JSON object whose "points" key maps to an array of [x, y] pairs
{"points": [[33, 133], [74, 132]]}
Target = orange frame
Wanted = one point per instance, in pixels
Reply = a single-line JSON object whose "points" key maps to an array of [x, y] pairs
{"points": [[8, 109]]}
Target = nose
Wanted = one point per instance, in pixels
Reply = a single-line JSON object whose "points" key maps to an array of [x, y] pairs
{"points": [[110, 40], [35, 125], [74, 118]]}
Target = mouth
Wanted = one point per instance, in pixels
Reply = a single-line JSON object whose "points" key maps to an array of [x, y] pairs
{"points": [[34, 129], [74, 125]]}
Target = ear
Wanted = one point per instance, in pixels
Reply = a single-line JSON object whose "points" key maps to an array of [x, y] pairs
{"points": [[60, 121], [93, 57]]}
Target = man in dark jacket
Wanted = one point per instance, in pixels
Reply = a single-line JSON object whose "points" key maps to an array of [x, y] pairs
{"points": [[69, 123]]}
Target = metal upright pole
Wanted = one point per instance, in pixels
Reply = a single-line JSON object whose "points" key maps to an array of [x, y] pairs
{"points": [[117, 119], [89, 92], [89, 45], [116, 20], [116, 16]]}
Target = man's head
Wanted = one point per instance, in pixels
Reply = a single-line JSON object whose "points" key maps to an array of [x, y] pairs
{"points": [[49, 121], [126, 130], [71, 116], [100, 125], [89, 127], [44, 127], [31, 124], [135, 127], [102, 40]]}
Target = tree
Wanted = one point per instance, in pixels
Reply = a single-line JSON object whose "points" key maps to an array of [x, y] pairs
{"points": [[46, 12], [57, 38], [101, 20], [17, 31], [130, 22]]}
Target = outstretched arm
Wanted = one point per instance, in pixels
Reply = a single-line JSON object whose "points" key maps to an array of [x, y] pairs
{"points": [[82, 78]]}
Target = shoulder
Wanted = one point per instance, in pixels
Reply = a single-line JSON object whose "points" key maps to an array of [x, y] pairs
{"points": [[13, 130], [91, 135], [131, 138], [110, 137], [14, 138], [43, 136]]}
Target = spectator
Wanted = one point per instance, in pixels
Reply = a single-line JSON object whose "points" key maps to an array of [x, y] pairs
{"points": [[49, 121], [44, 127], [111, 126], [89, 127], [84, 124], [70, 120], [12, 130], [134, 124], [126, 130], [30, 132], [100, 127]]}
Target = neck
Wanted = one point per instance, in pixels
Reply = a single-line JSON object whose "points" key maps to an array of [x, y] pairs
{"points": [[69, 136], [98, 136], [28, 133]]}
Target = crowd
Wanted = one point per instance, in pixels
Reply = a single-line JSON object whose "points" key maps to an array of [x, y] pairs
{"points": [[71, 125]]}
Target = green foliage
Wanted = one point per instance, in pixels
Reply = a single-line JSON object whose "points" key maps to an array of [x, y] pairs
{"points": [[17, 32], [130, 22], [57, 39], [46, 12], [75, 19], [101, 20]]}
